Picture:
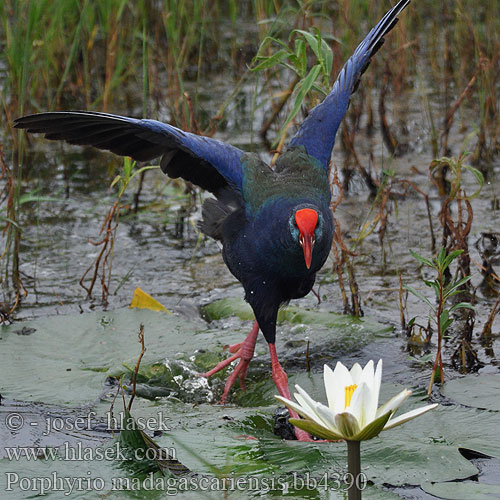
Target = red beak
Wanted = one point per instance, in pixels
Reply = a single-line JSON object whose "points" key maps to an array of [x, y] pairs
{"points": [[307, 243], [306, 220]]}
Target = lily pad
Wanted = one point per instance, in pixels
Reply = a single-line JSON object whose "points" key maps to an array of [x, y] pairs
{"points": [[410, 454], [67, 359], [479, 391], [233, 306], [468, 428], [329, 335], [464, 490]]}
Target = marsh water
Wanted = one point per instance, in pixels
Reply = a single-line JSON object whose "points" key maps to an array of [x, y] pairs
{"points": [[159, 249]]}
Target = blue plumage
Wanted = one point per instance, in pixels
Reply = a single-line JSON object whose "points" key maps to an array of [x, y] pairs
{"points": [[275, 225], [207, 162], [317, 132]]}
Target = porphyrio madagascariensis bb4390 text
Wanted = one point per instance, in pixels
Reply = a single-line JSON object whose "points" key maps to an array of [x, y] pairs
{"points": [[275, 225]]}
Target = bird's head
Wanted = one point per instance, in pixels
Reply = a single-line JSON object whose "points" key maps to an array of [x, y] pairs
{"points": [[305, 226]]}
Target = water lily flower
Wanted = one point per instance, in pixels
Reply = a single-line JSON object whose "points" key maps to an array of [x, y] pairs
{"points": [[352, 412]]}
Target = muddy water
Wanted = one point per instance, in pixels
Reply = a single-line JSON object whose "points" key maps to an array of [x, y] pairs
{"points": [[160, 249]]}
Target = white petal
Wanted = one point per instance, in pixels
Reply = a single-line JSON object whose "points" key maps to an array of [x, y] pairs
{"points": [[330, 384], [367, 376], [360, 404], [356, 373], [304, 399], [310, 406], [393, 422], [377, 379], [342, 375], [327, 416], [300, 410], [394, 403], [342, 379]]}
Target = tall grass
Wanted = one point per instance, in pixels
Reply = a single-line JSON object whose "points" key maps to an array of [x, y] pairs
{"points": [[137, 57]]}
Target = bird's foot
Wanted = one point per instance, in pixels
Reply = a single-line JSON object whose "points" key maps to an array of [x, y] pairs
{"points": [[244, 352]]}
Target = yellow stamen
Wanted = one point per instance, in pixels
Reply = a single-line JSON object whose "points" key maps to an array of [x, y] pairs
{"points": [[349, 391]]}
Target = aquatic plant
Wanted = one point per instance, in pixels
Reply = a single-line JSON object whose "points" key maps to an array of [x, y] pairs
{"points": [[352, 413], [440, 314], [103, 263]]}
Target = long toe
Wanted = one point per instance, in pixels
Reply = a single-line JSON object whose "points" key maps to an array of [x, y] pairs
{"points": [[235, 347], [240, 371], [221, 365], [244, 351]]}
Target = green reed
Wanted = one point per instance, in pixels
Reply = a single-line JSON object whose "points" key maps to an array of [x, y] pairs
{"points": [[60, 54]]}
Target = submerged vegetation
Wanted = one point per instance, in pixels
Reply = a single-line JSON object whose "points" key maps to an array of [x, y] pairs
{"points": [[165, 60]]}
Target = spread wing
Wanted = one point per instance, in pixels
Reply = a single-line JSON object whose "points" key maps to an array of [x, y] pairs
{"points": [[317, 132], [208, 163]]}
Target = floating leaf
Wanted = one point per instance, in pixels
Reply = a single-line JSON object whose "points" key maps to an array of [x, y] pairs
{"points": [[143, 300], [463, 490], [479, 391]]}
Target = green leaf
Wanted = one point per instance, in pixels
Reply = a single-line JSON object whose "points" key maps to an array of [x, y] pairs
{"points": [[38, 199], [115, 180], [143, 169], [445, 325], [451, 289], [374, 428], [441, 256], [273, 60], [462, 305], [13, 222], [423, 260], [313, 42], [446, 296], [419, 295], [462, 490], [434, 284], [444, 316], [304, 87], [300, 57], [479, 178], [327, 56], [128, 166], [451, 256]]}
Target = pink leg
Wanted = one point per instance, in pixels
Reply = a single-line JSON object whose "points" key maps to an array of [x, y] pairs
{"points": [[244, 351], [281, 381]]}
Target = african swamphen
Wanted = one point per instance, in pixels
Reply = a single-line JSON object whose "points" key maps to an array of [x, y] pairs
{"points": [[275, 225]]}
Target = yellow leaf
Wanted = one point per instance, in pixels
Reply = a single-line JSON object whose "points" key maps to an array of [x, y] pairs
{"points": [[143, 300]]}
